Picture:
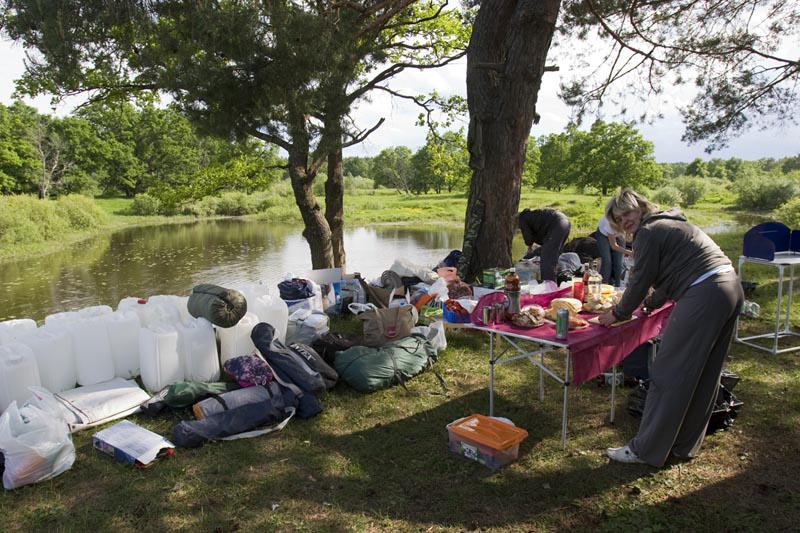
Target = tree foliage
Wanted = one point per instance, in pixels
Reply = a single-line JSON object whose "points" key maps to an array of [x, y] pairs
{"points": [[735, 55], [732, 50], [442, 164], [287, 73]]}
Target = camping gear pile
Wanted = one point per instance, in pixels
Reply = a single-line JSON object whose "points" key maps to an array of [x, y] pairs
{"points": [[240, 361]]}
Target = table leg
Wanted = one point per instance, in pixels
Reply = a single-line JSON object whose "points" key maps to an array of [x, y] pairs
{"points": [[566, 401], [778, 309], [491, 374], [541, 377], [613, 392], [789, 302]]}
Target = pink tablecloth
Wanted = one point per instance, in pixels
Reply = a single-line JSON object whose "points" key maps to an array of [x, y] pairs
{"points": [[597, 348]]}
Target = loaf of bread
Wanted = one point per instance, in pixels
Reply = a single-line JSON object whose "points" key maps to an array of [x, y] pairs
{"points": [[572, 305]]}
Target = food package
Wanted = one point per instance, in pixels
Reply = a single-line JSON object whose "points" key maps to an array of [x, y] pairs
{"points": [[573, 305], [530, 316]]}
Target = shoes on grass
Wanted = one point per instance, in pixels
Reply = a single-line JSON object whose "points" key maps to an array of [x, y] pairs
{"points": [[624, 455]]}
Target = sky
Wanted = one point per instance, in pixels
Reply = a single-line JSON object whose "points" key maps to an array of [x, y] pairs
{"points": [[399, 128]]}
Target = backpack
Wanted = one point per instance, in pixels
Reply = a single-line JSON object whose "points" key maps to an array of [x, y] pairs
{"points": [[315, 360], [286, 364], [726, 405], [305, 325], [368, 369], [295, 289], [330, 344]]}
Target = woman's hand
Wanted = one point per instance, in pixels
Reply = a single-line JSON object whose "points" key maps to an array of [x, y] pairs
{"points": [[607, 318], [627, 253]]}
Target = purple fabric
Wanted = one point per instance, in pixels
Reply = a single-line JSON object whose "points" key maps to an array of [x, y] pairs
{"points": [[249, 370], [596, 348]]}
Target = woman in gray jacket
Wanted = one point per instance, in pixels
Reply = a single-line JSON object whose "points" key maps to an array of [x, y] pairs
{"points": [[681, 263]]}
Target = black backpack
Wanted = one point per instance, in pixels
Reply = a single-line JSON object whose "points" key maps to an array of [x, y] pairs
{"points": [[330, 344], [287, 364], [315, 361], [726, 406]]}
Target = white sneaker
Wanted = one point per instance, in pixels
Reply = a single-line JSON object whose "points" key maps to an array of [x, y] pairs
{"points": [[623, 455]]}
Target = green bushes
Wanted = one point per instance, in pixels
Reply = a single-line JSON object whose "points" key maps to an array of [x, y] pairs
{"points": [[28, 220], [666, 197], [145, 205], [80, 212], [765, 192], [789, 213]]}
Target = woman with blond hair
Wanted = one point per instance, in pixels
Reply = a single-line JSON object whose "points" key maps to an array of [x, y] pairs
{"points": [[681, 263]]}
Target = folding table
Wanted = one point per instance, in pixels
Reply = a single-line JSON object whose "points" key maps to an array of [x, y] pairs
{"points": [[772, 244], [587, 352]]}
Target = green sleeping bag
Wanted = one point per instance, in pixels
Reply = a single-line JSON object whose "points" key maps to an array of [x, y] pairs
{"points": [[369, 369], [220, 306]]}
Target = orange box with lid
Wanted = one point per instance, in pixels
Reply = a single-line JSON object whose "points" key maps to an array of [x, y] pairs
{"points": [[487, 440]]}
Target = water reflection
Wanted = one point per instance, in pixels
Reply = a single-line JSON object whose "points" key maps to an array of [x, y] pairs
{"points": [[174, 258]]}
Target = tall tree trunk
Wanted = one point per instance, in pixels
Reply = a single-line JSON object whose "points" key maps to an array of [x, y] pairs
{"points": [[505, 64], [316, 232], [334, 206]]}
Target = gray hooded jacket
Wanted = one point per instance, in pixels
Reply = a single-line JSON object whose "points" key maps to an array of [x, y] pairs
{"points": [[669, 255]]}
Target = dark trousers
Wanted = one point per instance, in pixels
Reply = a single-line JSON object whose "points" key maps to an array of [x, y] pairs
{"points": [[685, 373]]}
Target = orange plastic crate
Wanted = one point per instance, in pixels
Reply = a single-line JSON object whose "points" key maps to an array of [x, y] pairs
{"points": [[489, 441]]}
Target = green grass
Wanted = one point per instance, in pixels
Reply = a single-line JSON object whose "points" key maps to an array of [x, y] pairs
{"points": [[380, 462]]}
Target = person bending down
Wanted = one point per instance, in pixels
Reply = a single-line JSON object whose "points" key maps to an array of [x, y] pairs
{"points": [[547, 227], [681, 263]]}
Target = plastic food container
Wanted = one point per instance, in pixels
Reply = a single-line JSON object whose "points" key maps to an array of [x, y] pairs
{"points": [[454, 318], [487, 440]]}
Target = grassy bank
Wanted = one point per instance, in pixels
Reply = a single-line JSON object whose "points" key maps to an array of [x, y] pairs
{"points": [[33, 230], [380, 462]]}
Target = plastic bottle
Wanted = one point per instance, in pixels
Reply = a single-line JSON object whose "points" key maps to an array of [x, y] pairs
{"points": [[627, 265], [585, 281], [511, 290], [595, 286], [511, 280]]}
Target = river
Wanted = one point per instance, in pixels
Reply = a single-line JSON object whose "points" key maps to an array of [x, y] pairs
{"points": [[171, 259]]}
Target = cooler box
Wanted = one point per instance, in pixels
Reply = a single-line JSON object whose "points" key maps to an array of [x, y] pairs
{"points": [[489, 441]]}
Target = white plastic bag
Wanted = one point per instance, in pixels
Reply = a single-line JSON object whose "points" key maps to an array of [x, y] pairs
{"points": [[36, 445], [439, 289], [434, 333]]}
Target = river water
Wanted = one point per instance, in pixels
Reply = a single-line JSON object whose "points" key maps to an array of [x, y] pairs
{"points": [[171, 259]]}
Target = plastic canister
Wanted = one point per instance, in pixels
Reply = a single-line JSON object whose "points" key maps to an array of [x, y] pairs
{"points": [[197, 347], [159, 359], [123, 334], [94, 311], [12, 329], [92, 349], [52, 347], [236, 341], [18, 371], [180, 303], [65, 318], [152, 314], [272, 310]]}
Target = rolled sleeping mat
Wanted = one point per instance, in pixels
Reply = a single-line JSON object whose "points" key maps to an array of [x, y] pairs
{"points": [[220, 306], [232, 400]]}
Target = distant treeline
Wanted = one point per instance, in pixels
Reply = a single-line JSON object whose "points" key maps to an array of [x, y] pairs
{"points": [[158, 157]]}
